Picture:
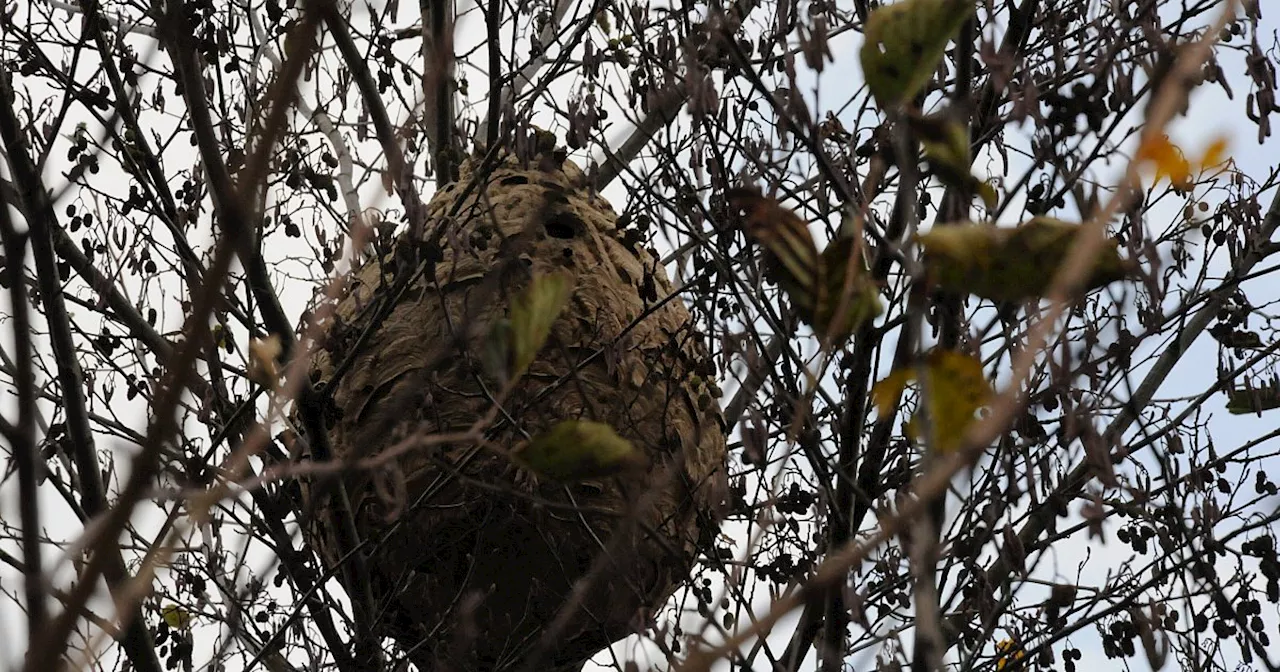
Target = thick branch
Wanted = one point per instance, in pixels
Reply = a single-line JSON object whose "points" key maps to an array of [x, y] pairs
{"points": [[22, 435], [437, 85]]}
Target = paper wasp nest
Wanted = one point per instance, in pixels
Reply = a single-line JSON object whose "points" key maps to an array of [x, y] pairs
{"points": [[470, 557]]}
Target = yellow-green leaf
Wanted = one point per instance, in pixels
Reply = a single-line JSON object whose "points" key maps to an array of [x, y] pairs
{"points": [[849, 296], [956, 389], [905, 42], [1251, 399], [575, 450], [176, 616], [1011, 264], [945, 140], [532, 314]]}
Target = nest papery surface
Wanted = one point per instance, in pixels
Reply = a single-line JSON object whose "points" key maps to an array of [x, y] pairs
{"points": [[473, 556]]}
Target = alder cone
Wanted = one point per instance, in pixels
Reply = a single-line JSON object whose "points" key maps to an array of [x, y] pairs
{"points": [[470, 557]]}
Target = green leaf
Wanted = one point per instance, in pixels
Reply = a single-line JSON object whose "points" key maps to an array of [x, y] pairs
{"points": [[1251, 399], [849, 297], [576, 450], [905, 43], [532, 314]]}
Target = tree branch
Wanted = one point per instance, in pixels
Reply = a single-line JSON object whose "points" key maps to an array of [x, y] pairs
{"points": [[42, 222]]}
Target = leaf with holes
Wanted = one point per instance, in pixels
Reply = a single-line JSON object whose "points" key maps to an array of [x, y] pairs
{"points": [[1011, 264], [905, 43]]}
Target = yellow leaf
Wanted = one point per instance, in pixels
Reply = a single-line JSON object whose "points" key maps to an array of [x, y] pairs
{"points": [[264, 353], [905, 42], [1011, 264], [1215, 154], [531, 317], [1010, 653], [576, 450], [176, 617], [886, 392], [955, 389], [1171, 162]]}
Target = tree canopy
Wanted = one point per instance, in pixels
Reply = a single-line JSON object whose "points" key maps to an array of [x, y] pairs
{"points": [[979, 294]]}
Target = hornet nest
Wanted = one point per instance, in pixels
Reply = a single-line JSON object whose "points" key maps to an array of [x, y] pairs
{"points": [[470, 558]]}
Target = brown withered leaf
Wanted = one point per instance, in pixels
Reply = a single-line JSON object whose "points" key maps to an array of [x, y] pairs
{"points": [[831, 291], [791, 257]]}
